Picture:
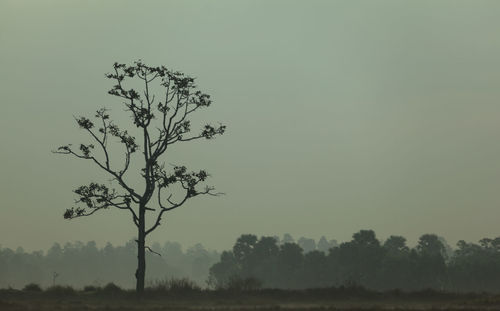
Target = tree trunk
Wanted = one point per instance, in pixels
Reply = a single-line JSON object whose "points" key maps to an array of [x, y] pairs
{"points": [[140, 273]]}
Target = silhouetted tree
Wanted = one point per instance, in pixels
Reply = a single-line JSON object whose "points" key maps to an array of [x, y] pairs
{"points": [[308, 245], [315, 273], [476, 266], [396, 244], [161, 120], [324, 245], [290, 262], [224, 270], [396, 266], [243, 249], [287, 238], [264, 259], [430, 256], [360, 258]]}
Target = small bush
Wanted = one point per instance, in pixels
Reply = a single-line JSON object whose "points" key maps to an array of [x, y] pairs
{"points": [[111, 288], [59, 290], [32, 287], [91, 288]]}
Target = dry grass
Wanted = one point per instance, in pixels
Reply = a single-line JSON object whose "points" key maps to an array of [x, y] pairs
{"points": [[171, 296]]}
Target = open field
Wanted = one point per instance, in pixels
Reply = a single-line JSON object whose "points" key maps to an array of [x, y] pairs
{"points": [[262, 300]]}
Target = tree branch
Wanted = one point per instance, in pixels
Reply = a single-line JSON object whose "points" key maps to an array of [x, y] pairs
{"points": [[67, 150]]}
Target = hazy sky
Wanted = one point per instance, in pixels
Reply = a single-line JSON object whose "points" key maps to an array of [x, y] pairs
{"points": [[341, 115]]}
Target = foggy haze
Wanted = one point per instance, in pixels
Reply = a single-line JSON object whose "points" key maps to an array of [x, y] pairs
{"points": [[341, 115]]}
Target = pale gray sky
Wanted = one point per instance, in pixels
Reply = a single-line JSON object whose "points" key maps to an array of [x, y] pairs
{"points": [[342, 115]]}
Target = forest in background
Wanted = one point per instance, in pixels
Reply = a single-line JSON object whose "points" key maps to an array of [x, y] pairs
{"points": [[364, 261], [269, 262], [79, 264]]}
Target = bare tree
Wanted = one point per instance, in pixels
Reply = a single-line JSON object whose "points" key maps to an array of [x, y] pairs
{"points": [[160, 124]]}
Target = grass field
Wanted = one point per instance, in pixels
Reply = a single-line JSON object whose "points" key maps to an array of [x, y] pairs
{"points": [[62, 298]]}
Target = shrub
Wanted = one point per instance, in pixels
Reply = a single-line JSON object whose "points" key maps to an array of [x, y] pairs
{"points": [[32, 287], [91, 288], [59, 290], [111, 288]]}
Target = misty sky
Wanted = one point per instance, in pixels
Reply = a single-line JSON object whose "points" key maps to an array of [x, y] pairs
{"points": [[341, 115]]}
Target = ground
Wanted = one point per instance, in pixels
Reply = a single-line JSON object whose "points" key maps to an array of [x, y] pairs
{"points": [[11, 300]]}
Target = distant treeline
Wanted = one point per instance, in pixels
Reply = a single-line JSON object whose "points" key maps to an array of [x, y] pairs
{"points": [[78, 264], [363, 261], [269, 262]]}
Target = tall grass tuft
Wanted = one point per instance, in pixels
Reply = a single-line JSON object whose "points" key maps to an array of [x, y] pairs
{"points": [[240, 284], [174, 286]]}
